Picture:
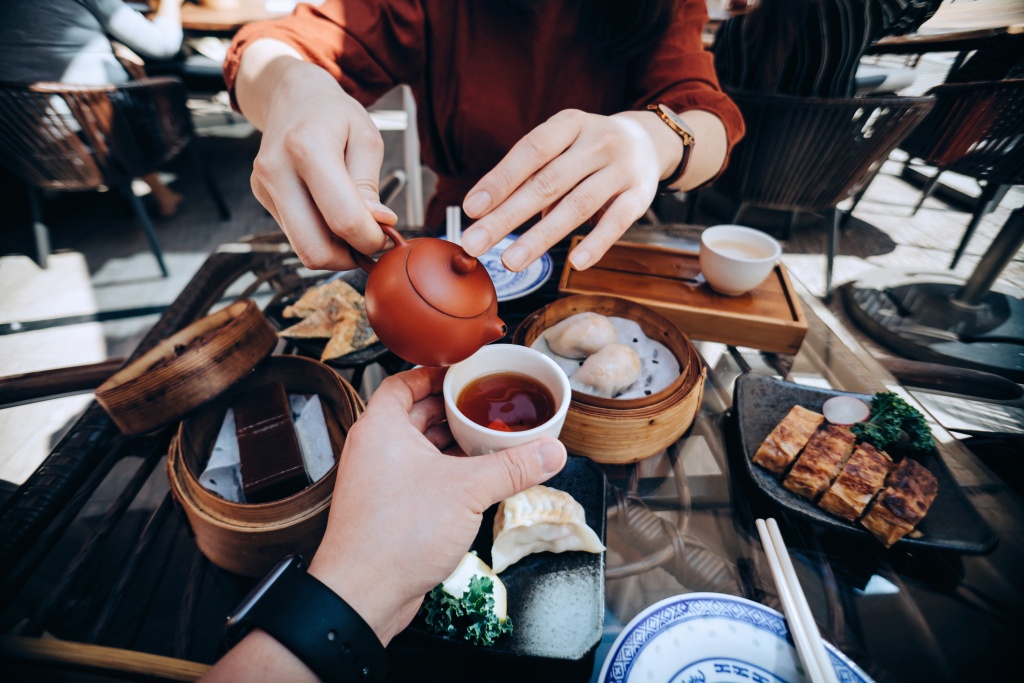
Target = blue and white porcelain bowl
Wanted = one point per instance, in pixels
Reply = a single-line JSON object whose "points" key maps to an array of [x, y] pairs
{"points": [[712, 638]]}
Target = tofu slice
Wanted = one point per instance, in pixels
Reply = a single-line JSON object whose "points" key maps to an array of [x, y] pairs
{"points": [[862, 478], [903, 503], [784, 444], [818, 465]]}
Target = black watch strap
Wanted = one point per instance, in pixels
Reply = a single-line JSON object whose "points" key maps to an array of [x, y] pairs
{"points": [[319, 628]]}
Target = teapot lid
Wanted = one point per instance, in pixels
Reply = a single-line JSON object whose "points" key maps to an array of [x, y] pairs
{"points": [[449, 279]]}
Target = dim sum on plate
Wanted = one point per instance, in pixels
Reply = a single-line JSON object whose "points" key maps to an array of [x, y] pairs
{"points": [[540, 519]]}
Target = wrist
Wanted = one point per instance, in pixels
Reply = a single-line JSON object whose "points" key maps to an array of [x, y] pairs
{"points": [[361, 588], [668, 146]]}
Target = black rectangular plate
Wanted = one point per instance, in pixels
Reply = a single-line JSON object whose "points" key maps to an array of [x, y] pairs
{"points": [[556, 601], [760, 403]]}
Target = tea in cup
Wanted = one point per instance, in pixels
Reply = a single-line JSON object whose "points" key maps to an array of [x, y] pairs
{"points": [[736, 259], [505, 395]]}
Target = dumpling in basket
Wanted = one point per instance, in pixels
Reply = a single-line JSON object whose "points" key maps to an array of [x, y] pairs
{"points": [[608, 372], [580, 335], [537, 520]]}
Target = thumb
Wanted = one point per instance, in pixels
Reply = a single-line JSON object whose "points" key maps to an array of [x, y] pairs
{"points": [[364, 154], [497, 476]]}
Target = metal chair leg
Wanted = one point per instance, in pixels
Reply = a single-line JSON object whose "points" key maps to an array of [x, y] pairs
{"points": [[147, 225], [927, 190], [833, 245], [990, 196], [211, 183], [39, 229]]}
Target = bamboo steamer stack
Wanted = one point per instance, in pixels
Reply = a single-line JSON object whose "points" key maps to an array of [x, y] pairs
{"points": [[194, 375], [622, 431]]}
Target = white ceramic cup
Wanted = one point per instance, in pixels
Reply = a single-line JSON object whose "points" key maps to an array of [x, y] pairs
{"points": [[735, 259], [479, 440]]}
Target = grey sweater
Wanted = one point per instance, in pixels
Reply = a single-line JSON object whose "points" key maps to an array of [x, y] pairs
{"points": [[69, 40]]}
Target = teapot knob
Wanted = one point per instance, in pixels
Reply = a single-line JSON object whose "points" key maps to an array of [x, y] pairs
{"points": [[463, 263]]}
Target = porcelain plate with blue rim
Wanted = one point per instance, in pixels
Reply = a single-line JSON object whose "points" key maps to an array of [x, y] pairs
{"points": [[510, 285], [712, 638]]}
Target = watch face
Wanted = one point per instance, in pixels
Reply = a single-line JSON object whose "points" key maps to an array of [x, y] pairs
{"points": [[676, 122], [242, 611]]}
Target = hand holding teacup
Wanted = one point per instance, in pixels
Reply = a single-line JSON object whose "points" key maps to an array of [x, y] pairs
{"points": [[735, 259]]}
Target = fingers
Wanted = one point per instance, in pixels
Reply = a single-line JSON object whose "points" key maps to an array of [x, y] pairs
{"points": [[494, 478], [292, 207], [569, 213], [621, 214], [427, 412], [527, 157], [364, 154], [405, 389], [440, 436], [335, 194]]}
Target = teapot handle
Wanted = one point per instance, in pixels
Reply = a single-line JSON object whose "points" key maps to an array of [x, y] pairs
{"points": [[367, 263]]}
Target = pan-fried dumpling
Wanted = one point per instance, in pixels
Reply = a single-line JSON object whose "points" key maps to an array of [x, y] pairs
{"points": [[537, 520], [580, 335], [607, 372]]}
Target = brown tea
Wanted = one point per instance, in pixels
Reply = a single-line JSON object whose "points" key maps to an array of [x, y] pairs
{"points": [[507, 402]]}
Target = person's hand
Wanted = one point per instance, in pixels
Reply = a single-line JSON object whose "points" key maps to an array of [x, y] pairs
{"points": [[403, 513], [570, 168], [318, 168]]}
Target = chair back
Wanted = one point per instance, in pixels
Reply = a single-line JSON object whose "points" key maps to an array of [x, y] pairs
{"points": [[976, 129], [809, 154], [69, 137]]}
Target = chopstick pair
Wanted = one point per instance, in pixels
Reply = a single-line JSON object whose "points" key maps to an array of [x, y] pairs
{"points": [[809, 645], [453, 224]]}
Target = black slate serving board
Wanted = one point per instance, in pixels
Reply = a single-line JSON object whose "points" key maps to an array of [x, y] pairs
{"points": [[556, 601], [760, 402]]}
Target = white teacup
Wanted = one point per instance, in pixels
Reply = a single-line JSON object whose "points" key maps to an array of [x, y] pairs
{"points": [[476, 439], [735, 259]]}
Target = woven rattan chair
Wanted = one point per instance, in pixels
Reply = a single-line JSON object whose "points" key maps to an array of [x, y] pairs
{"points": [[976, 130], [804, 154], [64, 137]]}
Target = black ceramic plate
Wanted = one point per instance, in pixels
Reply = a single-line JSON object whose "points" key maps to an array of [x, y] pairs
{"points": [[761, 402], [315, 347], [556, 601]]}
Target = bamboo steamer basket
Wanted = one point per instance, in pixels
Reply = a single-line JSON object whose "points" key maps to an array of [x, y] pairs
{"points": [[187, 369], [616, 431], [249, 539]]}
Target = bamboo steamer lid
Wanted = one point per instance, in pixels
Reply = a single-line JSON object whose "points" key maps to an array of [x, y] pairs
{"points": [[188, 369], [617, 431]]}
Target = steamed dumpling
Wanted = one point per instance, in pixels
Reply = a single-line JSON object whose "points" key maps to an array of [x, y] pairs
{"points": [[607, 372], [580, 335], [537, 520]]}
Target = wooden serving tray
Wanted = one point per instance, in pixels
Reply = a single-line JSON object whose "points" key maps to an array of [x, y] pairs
{"points": [[669, 281]]}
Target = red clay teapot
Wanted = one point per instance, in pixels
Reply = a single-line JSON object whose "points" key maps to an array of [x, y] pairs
{"points": [[429, 301]]}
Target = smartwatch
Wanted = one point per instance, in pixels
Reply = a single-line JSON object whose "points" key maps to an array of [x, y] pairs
{"points": [[313, 622], [673, 121]]}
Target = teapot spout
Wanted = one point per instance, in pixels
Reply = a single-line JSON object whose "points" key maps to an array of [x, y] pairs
{"points": [[494, 330]]}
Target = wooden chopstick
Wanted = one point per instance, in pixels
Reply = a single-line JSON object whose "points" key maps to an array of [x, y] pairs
{"points": [[809, 645]]}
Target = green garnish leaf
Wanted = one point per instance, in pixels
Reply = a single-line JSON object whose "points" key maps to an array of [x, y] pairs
{"points": [[471, 615], [891, 416]]}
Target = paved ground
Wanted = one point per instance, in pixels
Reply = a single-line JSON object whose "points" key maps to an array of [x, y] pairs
{"points": [[102, 264]]}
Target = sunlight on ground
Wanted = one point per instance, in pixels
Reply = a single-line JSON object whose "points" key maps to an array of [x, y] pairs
{"points": [[27, 433]]}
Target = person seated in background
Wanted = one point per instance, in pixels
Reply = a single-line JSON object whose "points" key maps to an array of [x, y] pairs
{"points": [[402, 516], [69, 41], [525, 108]]}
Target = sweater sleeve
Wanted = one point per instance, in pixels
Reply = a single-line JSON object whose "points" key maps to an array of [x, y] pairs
{"points": [[681, 74], [157, 39], [368, 46]]}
